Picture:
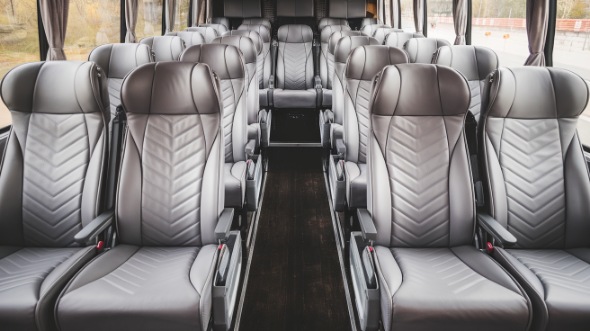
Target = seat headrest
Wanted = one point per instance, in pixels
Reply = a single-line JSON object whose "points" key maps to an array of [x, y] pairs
{"points": [[225, 60], [221, 20], [328, 30], [331, 21], [117, 60], [381, 33], [542, 93], [399, 38], [369, 21], [207, 32], [336, 36], [347, 44], [262, 30], [221, 28], [190, 38], [165, 48], [253, 35], [369, 29], [365, 62], [257, 21], [56, 87], [171, 88], [244, 44], [295, 33], [421, 50], [474, 62], [420, 90]]}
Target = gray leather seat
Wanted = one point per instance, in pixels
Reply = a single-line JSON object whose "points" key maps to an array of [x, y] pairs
{"points": [[382, 32], [421, 200], [327, 62], [538, 188], [475, 63], [223, 21], [257, 21], [295, 86], [264, 60], [51, 184], [208, 32], [364, 63], [249, 53], [190, 38], [165, 48], [220, 28], [335, 117], [228, 63], [421, 50], [170, 197], [399, 38], [117, 61], [325, 21], [369, 29], [369, 21]]}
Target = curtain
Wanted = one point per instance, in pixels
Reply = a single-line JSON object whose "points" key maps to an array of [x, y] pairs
{"points": [[381, 11], [170, 15], [460, 13], [131, 7], [54, 15], [199, 11], [537, 20], [394, 8], [419, 15]]}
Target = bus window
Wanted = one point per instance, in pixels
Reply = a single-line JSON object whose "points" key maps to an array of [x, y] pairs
{"points": [[149, 19], [19, 40], [571, 49], [501, 26], [407, 13], [440, 20], [182, 9], [90, 24]]}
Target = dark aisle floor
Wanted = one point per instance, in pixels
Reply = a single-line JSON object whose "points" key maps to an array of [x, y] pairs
{"points": [[295, 281]]}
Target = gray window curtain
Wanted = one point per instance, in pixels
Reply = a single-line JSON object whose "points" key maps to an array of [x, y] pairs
{"points": [[199, 12], [54, 15], [460, 12], [394, 7], [131, 7], [381, 11], [170, 15], [419, 15], [537, 19]]}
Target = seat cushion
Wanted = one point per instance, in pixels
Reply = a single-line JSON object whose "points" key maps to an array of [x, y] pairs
{"points": [[30, 281], [356, 184], [454, 289], [141, 288], [294, 98], [235, 184], [558, 283]]}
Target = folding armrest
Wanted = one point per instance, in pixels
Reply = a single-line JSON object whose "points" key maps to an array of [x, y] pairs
{"points": [[224, 224], [340, 147], [367, 226], [495, 229], [95, 227]]}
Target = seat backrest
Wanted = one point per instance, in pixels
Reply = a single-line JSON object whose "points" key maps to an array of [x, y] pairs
{"points": [[228, 64], [220, 28], [264, 59], [117, 61], [295, 61], [475, 63], [336, 36], [223, 21], [52, 175], [327, 59], [421, 50], [536, 178], [257, 21], [369, 29], [190, 38], [364, 63], [369, 21], [382, 32], [399, 38], [165, 48], [347, 8], [170, 190], [325, 21], [420, 191], [343, 48], [253, 35], [208, 32], [249, 54]]}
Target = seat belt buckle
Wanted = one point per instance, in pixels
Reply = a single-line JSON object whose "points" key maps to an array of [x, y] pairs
{"points": [[489, 248], [100, 246]]}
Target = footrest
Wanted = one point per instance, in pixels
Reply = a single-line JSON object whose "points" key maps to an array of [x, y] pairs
{"points": [[364, 282]]}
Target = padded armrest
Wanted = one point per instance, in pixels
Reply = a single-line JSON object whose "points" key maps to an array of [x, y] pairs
{"points": [[340, 147], [495, 229], [95, 227], [224, 224], [367, 226], [328, 116], [262, 116], [250, 148]]}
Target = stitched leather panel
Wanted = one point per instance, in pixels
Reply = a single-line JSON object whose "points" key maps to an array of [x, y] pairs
{"points": [[115, 94], [360, 92], [56, 157], [532, 164], [418, 160], [475, 103], [230, 94], [296, 57], [173, 166]]}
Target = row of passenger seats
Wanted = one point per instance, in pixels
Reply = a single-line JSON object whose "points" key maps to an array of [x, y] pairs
{"points": [[415, 265]]}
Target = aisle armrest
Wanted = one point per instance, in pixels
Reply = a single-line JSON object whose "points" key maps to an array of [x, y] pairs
{"points": [[224, 224], [495, 229], [95, 227], [367, 226]]}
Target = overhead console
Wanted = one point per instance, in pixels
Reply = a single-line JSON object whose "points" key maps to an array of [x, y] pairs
{"points": [[243, 8], [298, 8], [347, 8]]}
